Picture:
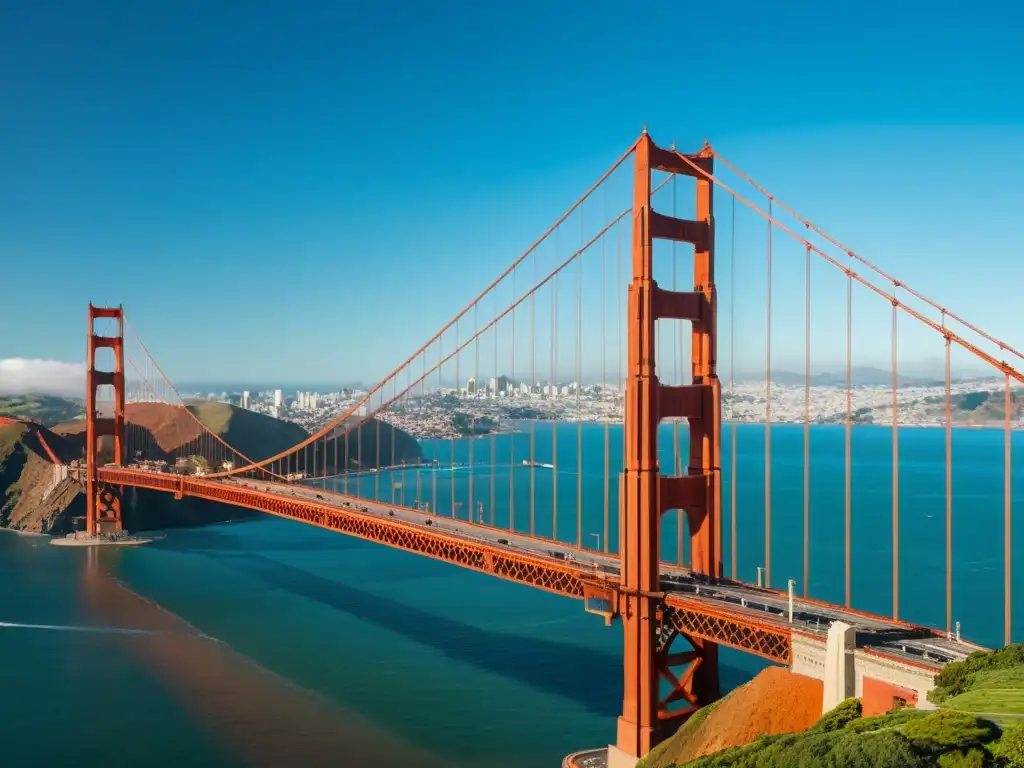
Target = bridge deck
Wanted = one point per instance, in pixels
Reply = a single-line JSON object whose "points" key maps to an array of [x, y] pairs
{"points": [[734, 614]]}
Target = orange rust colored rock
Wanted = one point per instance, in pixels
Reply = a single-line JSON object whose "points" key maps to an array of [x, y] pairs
{"points": [[776, 701]]}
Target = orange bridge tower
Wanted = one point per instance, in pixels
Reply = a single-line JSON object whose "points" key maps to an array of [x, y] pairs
{"points": [[652, 665], [104, 418]]}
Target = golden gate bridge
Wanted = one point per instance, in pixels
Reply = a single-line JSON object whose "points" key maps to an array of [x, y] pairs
{"points": [[603, 283]]}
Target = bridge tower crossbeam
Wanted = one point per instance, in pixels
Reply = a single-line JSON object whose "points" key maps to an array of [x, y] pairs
{"points": [[650, 656], [103, 501]]}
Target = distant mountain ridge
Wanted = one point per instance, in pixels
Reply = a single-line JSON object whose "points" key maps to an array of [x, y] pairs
{"points": [[48, 410], [860, 376]]}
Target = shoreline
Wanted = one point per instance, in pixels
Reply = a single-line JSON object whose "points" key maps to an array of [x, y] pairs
{"points": [[19, 532], [725, 422]]}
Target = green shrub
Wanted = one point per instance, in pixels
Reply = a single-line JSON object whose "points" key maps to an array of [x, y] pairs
{"points": [[833, 749], [950, 728], [885, 749], [839, 716], [657, 756], [970, 758], [956, 678], [1011, 747], [878, 722]]}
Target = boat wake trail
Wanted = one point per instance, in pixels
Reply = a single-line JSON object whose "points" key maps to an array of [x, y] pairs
{"points": [[71, 628]]}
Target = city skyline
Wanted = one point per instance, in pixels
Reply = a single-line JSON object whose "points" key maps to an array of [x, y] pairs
{"points": [[68, 379]]}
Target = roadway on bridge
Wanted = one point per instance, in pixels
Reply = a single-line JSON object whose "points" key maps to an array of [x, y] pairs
{"points": [[885, 636]]}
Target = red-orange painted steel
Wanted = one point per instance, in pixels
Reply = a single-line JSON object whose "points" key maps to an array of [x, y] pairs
{"points": [[698, 620], [103, 501], [48, 449], [648, 655], [640, 512], [544, 573], [881, 697]]}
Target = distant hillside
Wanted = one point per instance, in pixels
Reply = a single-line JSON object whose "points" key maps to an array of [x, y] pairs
{"points": [[978, 408], [32, 495], [860, 376], [30, 501], [172, 432], [45, 409]]}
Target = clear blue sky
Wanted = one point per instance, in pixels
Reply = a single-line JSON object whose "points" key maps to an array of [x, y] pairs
{"points": [[249, 179]]}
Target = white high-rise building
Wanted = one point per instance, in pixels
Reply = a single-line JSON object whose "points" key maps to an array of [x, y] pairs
{"points": [[278, 398], [245, 400]]}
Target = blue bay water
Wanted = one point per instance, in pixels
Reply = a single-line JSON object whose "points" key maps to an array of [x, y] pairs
{"points": [[269, 640]]}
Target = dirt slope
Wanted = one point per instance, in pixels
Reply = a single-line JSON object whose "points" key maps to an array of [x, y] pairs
{"points": [[170, 431], [776, 701], [30, 499]]}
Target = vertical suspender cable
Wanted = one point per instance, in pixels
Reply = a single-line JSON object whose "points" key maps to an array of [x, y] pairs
{"points": [[498, 379], [768, 412], [1007, 541], [622, 358], [376, 474], [472, 418], [533, 385], [512, 434], [895, 463], [807, 423], [458, 381], [849, 413], [604, 383], [433, 475], [554, 395], [579, 384], [949, 491], [392, 440], [732, 382]]}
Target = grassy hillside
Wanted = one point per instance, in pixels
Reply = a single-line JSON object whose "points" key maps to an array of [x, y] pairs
{"points": [[29, 500], [988, 684], [45, 409], [977, 726], [173, 433]]}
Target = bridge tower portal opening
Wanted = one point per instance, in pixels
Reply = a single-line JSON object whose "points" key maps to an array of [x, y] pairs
{"points": [[104, 418], [664, 684]]}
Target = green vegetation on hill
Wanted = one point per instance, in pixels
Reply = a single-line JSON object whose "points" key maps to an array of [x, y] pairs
{"points": [[254, 434], [905, 739], [977, 408], [12, 460], [989, 684], [45, 409], [29, 497], [978, 725], [465, 425], [259, 436]]}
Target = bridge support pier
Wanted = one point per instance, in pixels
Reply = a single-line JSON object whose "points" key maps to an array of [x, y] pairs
{"points": [[651, 658], [104, 418]]}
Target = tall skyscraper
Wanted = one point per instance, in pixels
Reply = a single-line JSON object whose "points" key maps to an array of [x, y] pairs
{"points": [[245, 400], [278, 398]]}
